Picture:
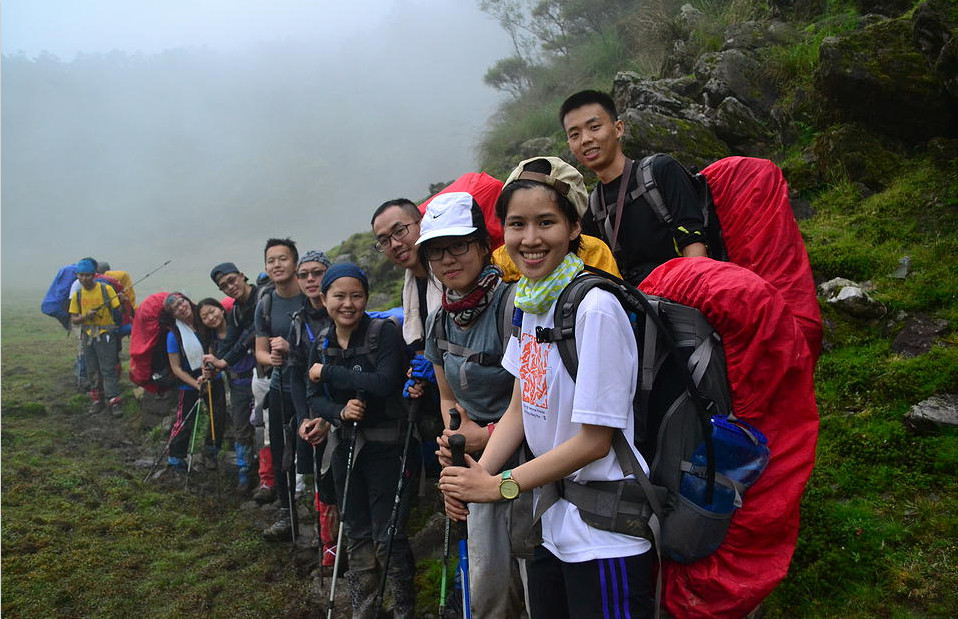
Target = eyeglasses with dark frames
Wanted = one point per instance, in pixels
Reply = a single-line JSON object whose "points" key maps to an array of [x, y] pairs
{"points": [[456, 249], [382, 242]]}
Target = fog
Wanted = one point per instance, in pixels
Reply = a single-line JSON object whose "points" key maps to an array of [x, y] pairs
{"points": [[142, 132]]}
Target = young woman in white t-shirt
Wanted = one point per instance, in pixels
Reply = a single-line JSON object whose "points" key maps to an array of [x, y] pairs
{"points": [[578, 570]]}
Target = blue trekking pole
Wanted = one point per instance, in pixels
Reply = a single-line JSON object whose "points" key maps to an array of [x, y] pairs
{"points": [[454, 422], [457, 445]]}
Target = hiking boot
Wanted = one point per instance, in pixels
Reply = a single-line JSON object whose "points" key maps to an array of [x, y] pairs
{"points": [[281, 530], [116, 406], [243, 486], [176, 464], [264, 494], [95, 407]]}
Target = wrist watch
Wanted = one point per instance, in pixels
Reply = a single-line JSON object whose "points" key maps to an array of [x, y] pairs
{"points": [[508, 487]]}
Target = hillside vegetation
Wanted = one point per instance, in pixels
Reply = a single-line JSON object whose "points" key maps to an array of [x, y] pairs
{"points": [[856, 101]]}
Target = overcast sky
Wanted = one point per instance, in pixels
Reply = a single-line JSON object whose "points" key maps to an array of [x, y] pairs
{"points": [[267, 118]]}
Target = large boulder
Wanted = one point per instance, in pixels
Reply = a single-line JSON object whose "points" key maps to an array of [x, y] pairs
{"points": [[692, 143], [736, 73], [878, 77], [737, 125]]}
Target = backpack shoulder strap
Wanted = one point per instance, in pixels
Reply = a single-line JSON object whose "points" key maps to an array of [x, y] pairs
{"points": [[563, 330], [648, 187], [266, 305]]}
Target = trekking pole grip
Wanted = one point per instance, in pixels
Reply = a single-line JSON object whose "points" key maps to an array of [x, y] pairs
{"points": [[457, 445], [455, 419]]}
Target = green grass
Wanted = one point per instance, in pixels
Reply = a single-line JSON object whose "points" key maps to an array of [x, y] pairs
{"points": [[83, 535]]}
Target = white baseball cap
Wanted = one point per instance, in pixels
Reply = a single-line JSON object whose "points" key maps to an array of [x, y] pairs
{"points": [[449, 214]]}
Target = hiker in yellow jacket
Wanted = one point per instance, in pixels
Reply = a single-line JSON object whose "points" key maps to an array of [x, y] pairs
{"points": [[95, 308]]}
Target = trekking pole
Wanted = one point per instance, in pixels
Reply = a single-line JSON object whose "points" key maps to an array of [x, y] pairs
{"points": [[215, 450], [413, 419], [454, 421], [189, 458], [289, 456], [317, 471], [457, 445], [331, 604], [101, 305], [169, 441]]}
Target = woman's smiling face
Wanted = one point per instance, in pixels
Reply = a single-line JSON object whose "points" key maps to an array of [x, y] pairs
{"points": [[537, 233], [345, 301]]}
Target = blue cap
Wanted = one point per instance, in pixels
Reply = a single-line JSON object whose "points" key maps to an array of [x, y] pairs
{"points": [[344, 269]]}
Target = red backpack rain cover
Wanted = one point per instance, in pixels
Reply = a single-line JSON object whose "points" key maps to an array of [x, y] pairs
{"points": [[770, 371], [147, 333], [760, 234], [485, 190]]}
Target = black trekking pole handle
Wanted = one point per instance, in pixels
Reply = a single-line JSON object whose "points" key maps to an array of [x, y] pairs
{"points": [[457, 445]]}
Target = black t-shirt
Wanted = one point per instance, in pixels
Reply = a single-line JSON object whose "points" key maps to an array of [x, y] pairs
{"points": [[646, 241]]}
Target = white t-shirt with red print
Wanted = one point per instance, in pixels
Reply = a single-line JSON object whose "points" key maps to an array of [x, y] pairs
{"points": [[554, 407]]}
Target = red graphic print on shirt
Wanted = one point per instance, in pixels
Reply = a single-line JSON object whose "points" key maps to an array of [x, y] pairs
{"points": [[532, 369]]}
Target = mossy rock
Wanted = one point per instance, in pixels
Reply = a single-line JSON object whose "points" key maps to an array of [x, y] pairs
{"points": [[876, 76], [690, 142], [856, 152]]}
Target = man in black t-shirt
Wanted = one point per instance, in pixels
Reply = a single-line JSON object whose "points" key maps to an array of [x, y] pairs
{"points": [[644, 241]]}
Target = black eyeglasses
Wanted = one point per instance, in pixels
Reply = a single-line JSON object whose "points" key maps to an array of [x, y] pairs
{"points": [[382, 242], [316, 273], [456, 249]]}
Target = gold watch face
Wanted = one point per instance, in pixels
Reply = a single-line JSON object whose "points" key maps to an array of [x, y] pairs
{"points": [[508, 488]]}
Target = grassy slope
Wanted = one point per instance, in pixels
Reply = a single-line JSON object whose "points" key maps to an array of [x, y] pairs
{"points": [[879, 529], [83, 535]]}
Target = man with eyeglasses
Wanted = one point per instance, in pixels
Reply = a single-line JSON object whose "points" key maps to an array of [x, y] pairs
{"points": [[396, 226], [235, 355]]}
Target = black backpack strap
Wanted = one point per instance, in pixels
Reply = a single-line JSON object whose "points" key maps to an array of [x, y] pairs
{"points": [[563, 331], [650, 189], [266, 305]]}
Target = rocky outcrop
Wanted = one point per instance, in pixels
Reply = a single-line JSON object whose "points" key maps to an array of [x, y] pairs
{"points": [[878, 77]]}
